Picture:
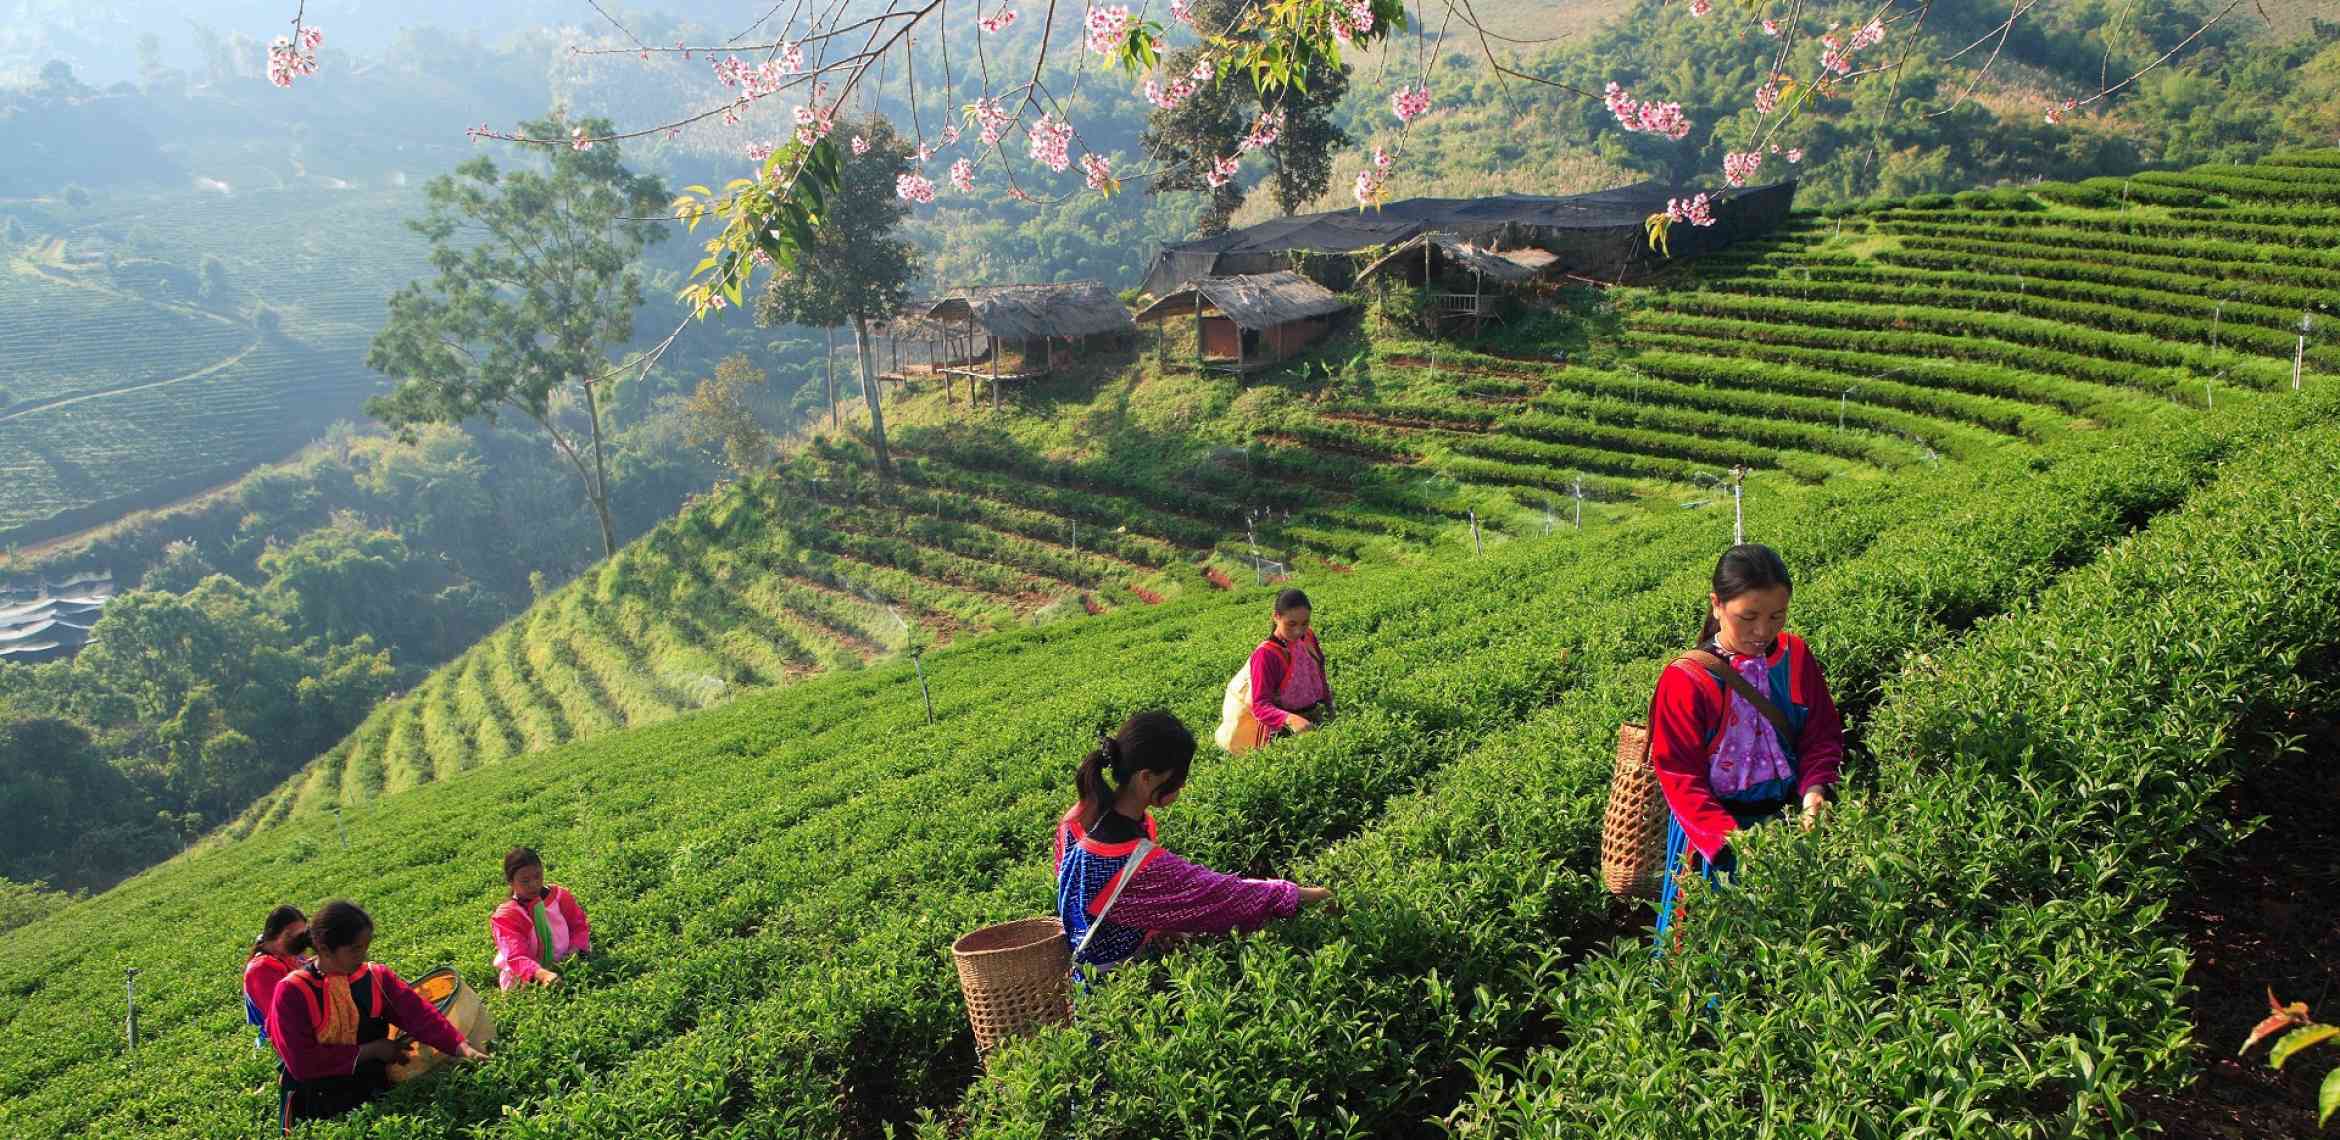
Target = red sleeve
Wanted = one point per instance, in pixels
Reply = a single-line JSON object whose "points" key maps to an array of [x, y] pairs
{"points": [[292, 1028], [421, 1020], [1267, 679], [580, 932], [1820, 751], [515, 935], [1688, 708]]}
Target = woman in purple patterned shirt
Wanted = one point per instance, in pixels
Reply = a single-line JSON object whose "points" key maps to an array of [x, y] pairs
{"points": [[1109, 835]]}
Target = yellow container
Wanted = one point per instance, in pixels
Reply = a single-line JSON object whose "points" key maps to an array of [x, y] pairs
{"points": [[458, 1003]]}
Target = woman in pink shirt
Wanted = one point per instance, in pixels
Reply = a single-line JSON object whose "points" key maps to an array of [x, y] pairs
{"points": [[275, 953], [538, 925], [1289, 692], [330, 1021]]}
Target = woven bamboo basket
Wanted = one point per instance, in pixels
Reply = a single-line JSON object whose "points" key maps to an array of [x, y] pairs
{"points": [[1633, 836], [1016, 977], [458, 1003]]}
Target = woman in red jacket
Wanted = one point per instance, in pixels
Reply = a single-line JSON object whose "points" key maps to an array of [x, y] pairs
{"points": [[330, 1021], [539, 924], [1289, 692], [277, 952], [1723, 761]]}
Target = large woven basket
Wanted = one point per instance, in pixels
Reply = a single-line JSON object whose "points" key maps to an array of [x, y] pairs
{"points": [[1016, 977], [1633, 833], [460, 1005]]}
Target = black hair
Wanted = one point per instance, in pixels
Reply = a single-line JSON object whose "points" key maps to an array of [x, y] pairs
{"points": [[338, 924], [1288, 600], [520, 859], [1151, 741], [278, 919], [1745, 567]]}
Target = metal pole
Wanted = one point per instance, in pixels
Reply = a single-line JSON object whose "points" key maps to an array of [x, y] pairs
{"points": [[2209, 400], [1579, 489], [1738, 511], [2298, 356], [2216, 315], [830, 362], [1476, 545], [1251, 536], [130, 996], [918, 665]]}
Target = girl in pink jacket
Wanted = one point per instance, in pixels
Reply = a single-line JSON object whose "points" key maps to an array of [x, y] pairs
{"points": [[538, 925]]}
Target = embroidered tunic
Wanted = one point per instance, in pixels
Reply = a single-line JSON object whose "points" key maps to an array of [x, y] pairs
{"points": [[321, 1079], [520, 951], [1166, 895]]}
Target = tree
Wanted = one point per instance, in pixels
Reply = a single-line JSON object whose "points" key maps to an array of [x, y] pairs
{"points": [[76, 197], [216, 286], [57, 80], [717, 414], [1186, 139], [855, 267], [181, 566], [527, 319]]}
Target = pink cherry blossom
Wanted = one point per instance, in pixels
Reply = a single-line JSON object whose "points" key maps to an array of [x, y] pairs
{"points": [[963, 175], [1381, 159], [1410, 103], [2056, 114], [1106, 27], [1182, 11], [1355, 20], [1649, 118], [860, 145], [994, 117], [1263, 132], [1771, 27], [1738, 168], [1870, 35], [814, 123], [998, 20], [1368, 188], [1701, 7], [1767, 98], [1050, 140], [1222, 171], [579, 141], [1168, 98], [1202, 71], [1099, 171], [1697, 211], [758, 152], [913, 188], [289, 60]]}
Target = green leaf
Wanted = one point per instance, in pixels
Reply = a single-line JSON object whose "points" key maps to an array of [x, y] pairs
{"points": [[2328, 1101], [2299, 1039]]}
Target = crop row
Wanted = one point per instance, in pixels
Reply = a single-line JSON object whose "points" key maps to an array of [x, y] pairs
{"points": [[1979, 948], [1478, 892], [2166, 239], [1965, 257]]}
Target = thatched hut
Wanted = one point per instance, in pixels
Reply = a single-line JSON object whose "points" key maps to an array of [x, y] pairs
{"points": [[1468, 282], [1250, 321], [974, 329]]}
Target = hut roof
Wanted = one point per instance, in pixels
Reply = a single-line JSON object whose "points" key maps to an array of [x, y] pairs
{"points": [[1028, 312], [1462, 255], [1253, 301]]}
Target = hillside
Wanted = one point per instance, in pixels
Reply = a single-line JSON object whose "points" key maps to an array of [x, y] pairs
{"points": [[1847, 348], [773, 881], [172, 384]]}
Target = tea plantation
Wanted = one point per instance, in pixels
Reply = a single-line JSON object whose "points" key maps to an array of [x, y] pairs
{"points": [[2062, 602], [1856, 348]]}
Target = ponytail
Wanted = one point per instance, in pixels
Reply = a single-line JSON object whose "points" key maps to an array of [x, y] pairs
{"points": [[1151, 741], [1747, 566]]}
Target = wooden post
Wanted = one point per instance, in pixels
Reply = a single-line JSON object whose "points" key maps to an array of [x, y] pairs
{"points": [[1477, 546], [829, 336], [1198, 330], [992, 343], [1161, 345], [934, 361]]}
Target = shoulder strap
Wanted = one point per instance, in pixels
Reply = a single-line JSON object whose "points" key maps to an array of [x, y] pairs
{"points": [[1731, 680], [1137, 859]]}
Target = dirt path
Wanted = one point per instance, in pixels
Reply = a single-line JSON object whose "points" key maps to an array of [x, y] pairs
{"points": [[198, 374], [2262, 917]]}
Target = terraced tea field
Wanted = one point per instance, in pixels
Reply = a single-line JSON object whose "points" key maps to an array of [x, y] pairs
{"points": [[1859, 349], [123, 391]]}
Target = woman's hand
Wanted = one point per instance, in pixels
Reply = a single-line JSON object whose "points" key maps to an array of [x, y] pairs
{"points": [[1297, 723], [1310, 895], [388, 1050], [1815, 801], [470, 1054], [545, 977]]}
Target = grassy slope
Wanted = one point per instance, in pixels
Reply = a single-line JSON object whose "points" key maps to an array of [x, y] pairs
{"points": [[1847, 348]]}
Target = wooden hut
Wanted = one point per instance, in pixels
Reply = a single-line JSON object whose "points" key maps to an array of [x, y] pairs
{"points": [[1249, 322], [975, 330], [1468, 282]]}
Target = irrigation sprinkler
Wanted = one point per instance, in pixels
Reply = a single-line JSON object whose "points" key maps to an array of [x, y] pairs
{"points": [[2217, 314], [130, 999], [2209, 401], [340, 827], [1841, 399], [918, 666], [1548, 518], [1738, 505], [1576, 488], [1477, 546]]}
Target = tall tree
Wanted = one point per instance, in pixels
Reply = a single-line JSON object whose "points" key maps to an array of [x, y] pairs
{"points": [[1185, 139], [717, 414], [536, 291], [855, 267]]}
